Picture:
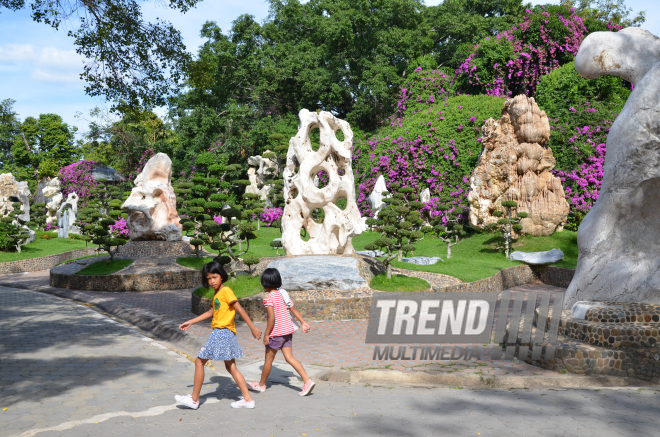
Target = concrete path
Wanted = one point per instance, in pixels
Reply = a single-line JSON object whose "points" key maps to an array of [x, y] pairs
{"points": [[67, 370]]}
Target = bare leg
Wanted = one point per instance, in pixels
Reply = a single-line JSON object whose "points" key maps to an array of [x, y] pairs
{"points": [[199, 378], [238, 378], [268, 365], [288, 356]]}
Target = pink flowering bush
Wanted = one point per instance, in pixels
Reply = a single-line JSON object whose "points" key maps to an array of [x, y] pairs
{"points": [[119, 229], [217, 219], [270, 215], [77, 178], [513, 61], [431, 141]]}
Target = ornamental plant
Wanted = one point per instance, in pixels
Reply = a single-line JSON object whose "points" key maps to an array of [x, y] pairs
{"points": [[37, 216], [102, 231], [13, 233], [508, 226], [512, 62], [449, 224], [399, 221], [77, 177], [431, 141]]}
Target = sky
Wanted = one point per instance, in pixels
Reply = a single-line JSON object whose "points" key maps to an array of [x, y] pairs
{"points": [[39, 67]]}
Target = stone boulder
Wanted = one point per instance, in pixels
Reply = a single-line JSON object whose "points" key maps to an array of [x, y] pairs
{"points": [[52, 191], [514, 165], [11, 188], [324, 272], [619, 239], [334, 236], [67, 215], [371, 253], [538, 258], [151, 207]]}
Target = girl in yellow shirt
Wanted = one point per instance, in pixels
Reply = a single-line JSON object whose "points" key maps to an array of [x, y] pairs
{"points": [[222, 344]]}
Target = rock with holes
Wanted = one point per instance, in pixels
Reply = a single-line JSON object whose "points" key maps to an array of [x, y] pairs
{"points": [[322, 273], [514, 165], [619, 239], [52, 191], [302, 197], [260, 172], [151, 207], [13, 191]]}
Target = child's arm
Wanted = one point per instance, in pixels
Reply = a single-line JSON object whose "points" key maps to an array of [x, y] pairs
{"points": [[271, 323], [305, 326], [207, 315], [241, 312]]}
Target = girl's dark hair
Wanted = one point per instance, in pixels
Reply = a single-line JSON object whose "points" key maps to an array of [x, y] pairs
{"points": [[213, 267], [271, 278]]}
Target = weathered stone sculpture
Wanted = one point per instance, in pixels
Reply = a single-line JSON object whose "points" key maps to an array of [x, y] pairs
{"points": [[334, 235], [376, 196], [68, 209], [9, 188], [619, 239], [52, 191], [514, 165], [261, 170], [151, 206]]}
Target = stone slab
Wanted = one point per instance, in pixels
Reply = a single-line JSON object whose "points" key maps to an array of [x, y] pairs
{"points": [[422, 260], [319, 273], [538, 258]]}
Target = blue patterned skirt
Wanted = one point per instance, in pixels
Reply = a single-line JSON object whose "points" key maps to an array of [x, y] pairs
{"points": [[222, 345]]}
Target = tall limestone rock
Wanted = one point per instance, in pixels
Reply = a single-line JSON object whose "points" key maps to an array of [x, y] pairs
{"points": [[514, 165]]}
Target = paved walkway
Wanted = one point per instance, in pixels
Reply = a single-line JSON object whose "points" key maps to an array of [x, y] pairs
{"points": [[66, 370], [333, 344]]}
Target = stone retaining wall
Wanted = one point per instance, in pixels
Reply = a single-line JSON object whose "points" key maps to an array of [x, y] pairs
{"points": [[358, 307], [174, 280], [44, 262]]}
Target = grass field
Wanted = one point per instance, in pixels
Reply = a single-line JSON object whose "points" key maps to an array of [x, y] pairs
{"points": [[476, 257], [105, 267], [242, 286], [42, 247], [398, 283]]}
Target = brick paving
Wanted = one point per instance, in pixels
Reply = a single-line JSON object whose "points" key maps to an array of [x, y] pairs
{"points": [[338, 344]]}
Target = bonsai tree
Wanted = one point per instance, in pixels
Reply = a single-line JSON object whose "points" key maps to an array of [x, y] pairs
{"points": [[251, 260], [399, 221], [277, 245], [451, 225], [508, 225], [102, 236], [37, 216], [13, 233]]}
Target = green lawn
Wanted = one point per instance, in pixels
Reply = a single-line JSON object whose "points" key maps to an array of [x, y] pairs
{"points": [[105, 267], [193, 262], [43, 247], [398, 283], [242, 286], [476, 257]]}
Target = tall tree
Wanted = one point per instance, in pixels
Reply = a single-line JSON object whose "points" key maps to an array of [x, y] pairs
{"points": [[10, 126], [128, 60], [608, 10]]}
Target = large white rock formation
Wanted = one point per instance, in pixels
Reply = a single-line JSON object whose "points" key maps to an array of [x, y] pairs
{"points": [[11, 188], [334, 235], [52, 191], [151, 206], [514, 165], [619, 239], [260, 172]]}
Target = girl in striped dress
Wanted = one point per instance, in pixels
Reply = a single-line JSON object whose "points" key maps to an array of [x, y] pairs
{"points": [[279, 331]]}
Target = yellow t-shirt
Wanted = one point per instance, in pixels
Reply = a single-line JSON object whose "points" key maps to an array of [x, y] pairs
{"points": [[223, 312]]}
